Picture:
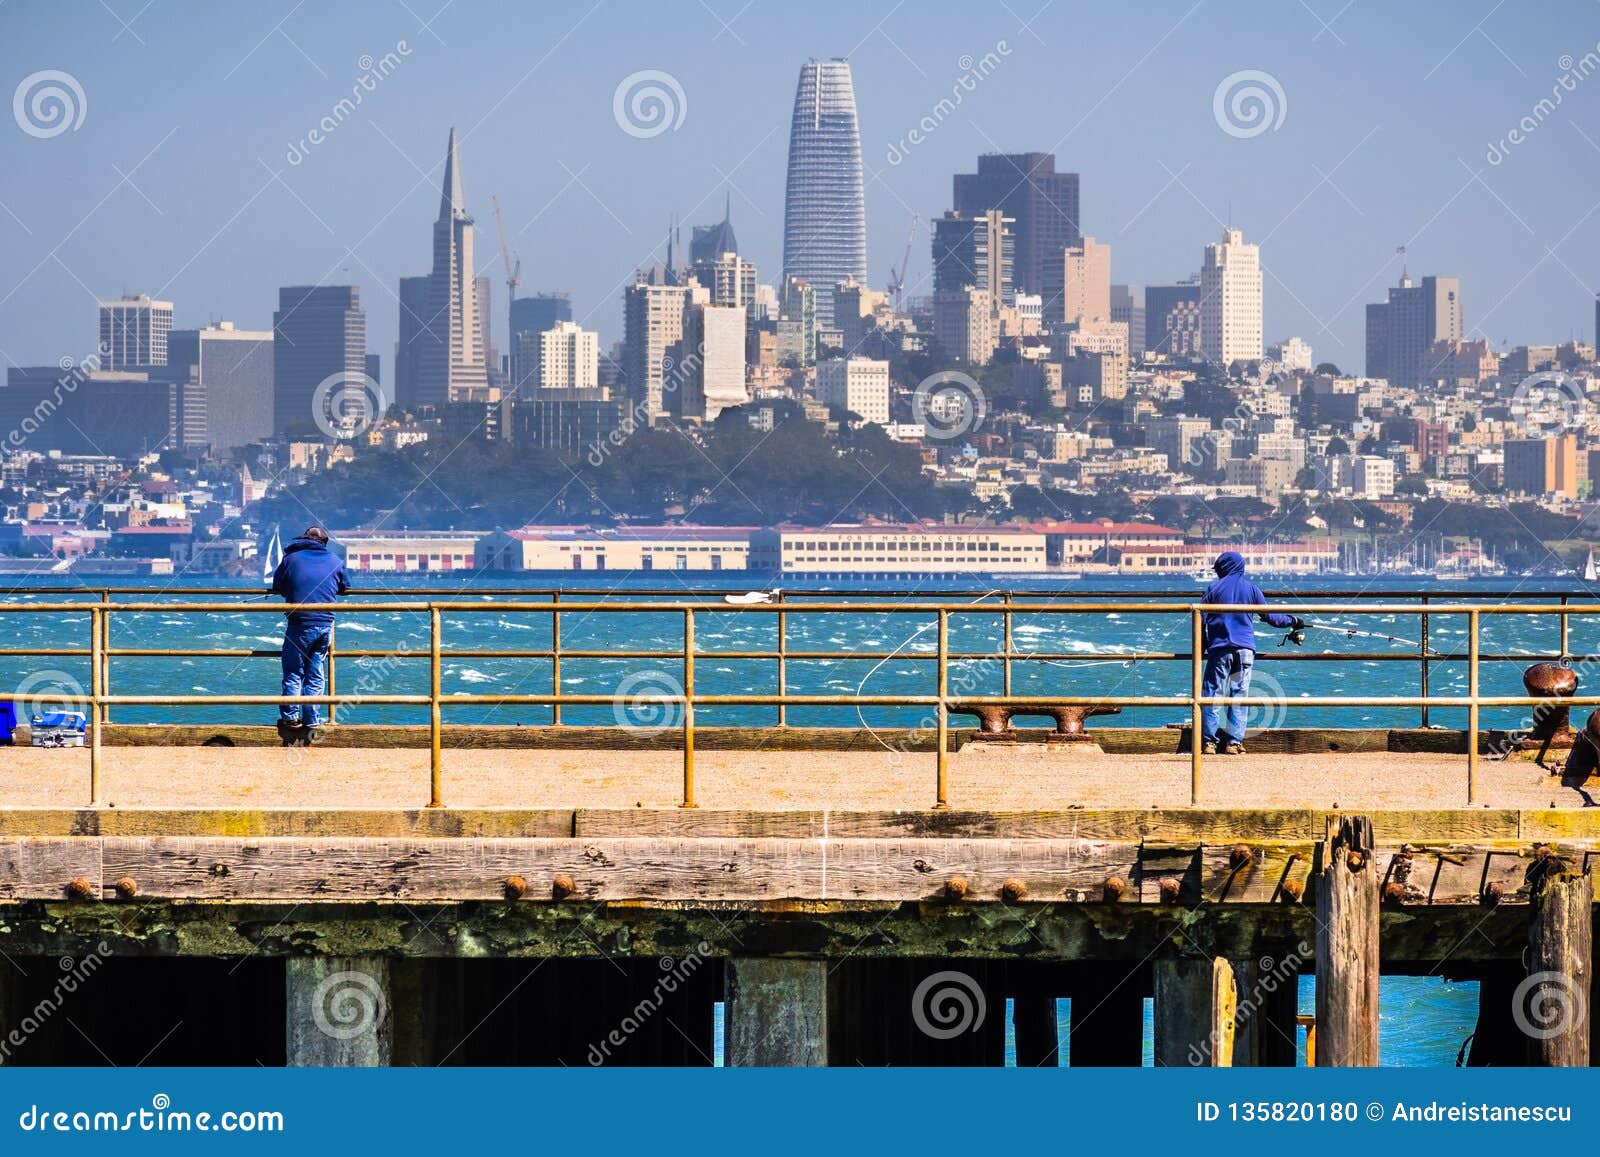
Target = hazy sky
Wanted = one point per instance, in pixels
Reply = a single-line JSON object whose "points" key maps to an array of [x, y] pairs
{"points": [[190, 175]]}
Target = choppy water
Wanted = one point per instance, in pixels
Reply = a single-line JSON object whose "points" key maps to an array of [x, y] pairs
{"points": [[1086, 655], [1425, 1020]]}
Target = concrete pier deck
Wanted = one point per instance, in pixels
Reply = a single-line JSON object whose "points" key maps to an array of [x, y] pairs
{"points": [[1011, 779]]}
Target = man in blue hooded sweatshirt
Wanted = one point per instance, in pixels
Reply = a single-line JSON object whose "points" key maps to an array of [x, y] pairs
{"points": [[1230, 641], [309, 573]]}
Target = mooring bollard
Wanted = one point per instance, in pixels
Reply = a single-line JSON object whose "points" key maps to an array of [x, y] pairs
{"points": [[1552, 726]]}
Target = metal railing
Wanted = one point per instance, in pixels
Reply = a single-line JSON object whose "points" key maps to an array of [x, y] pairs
{"points": [[100, 699]]}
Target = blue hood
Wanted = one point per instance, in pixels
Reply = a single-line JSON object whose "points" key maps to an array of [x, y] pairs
{"points": [[1228, 562]]}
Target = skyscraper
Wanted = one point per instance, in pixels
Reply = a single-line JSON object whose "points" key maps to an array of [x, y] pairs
{"points": [[652, 323], [415, 294], [1230, 300], [530, 317], [824, 211], [1400, 330], [232, 371], [1167, 318], [450, 349], [133, 332], [1042, 202], [319, 332], [1127, 307], [977, 250], [1084, 291]]}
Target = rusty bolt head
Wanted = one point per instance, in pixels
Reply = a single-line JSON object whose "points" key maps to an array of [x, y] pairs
{"points": [[1294, 889], [1013, 890], [516, 887], [1394, 892], [955, 888], [79, 888], [1114, 888], [562, 886], [127, 887], [1240, 856], [1171, 887], [1356, 860], [1493, 893]]}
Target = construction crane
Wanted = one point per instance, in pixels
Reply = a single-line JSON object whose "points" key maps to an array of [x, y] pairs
{"points": [[513, 270], [897, 277]]}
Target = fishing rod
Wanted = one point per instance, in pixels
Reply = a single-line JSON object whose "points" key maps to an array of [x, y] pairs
{"points": [[1297, 635]]}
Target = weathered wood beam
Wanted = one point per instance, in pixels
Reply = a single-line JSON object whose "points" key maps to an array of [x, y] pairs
{"points": [[776, 1012], [1347, 947], [1269, 999], [1553, 1005], [339, 1012]]}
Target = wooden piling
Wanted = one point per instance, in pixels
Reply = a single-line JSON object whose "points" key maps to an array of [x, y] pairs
{"points": [[1347, 947], [1497, 1042], [1196, 1007], [1033, 1016], [1106, 1027], [1553, 1004], [776, 1012], [1269, 998], [339, 1011]]}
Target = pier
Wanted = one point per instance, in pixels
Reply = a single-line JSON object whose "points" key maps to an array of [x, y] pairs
{"points": [[442, 892]]}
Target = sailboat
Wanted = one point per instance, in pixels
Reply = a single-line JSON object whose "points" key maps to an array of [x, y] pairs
{"points": [[273, 557], [1590, 574]]}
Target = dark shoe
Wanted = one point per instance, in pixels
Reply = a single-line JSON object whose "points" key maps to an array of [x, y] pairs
{"points": [[310, 735], [290, 732], [1233, 749], [1209, 747]]}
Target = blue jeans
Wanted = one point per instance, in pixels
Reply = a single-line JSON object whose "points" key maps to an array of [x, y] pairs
{"points": [[1228, 669], [305, 669]]}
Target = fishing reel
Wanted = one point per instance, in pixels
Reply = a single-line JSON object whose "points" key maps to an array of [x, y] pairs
{"points": [[1295, 635]]}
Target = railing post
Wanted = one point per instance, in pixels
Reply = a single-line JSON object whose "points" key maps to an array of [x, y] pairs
{"points": [[783, 663], [104, 713], [97, 676], [1472, 708], [688, 708], [1566, 631], [942, 716], [436, 758], [333, 708], [1423, 652], [1006, 614], [555, 662], [1196, 653]]}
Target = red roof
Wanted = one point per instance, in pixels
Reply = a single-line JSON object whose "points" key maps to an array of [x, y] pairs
{"points": [[1106, 527]]}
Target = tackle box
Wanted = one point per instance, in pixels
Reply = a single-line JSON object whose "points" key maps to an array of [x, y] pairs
{"points": [[58, 729]]}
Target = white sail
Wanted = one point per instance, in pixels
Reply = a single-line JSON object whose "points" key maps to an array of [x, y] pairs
{"points": [[1589, 572], [273, 557]]}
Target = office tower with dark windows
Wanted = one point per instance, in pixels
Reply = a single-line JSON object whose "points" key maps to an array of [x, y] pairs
{"points": [[824, 211], [977, 251], [1043, 204], [319, 333], [1127, 307], [1171, 315], [133, 332], [414, 305], [530, 317], [231, 371], [1401, 329]]}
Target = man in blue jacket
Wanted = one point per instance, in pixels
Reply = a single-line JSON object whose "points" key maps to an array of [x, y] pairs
{"points": [[309, 573], [1230, 642]]}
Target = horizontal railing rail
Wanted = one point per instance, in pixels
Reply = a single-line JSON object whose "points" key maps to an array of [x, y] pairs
{"points": [[100, 697]]}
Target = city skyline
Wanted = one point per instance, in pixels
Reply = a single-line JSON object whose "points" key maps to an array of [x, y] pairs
{"points": [[1317, 188]]}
